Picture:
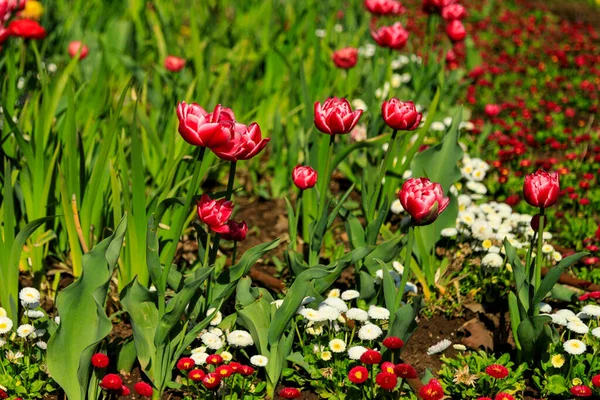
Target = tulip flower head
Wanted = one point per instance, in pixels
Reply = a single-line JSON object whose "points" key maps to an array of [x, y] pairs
{"points": [[541, 189], [394, 37], [384, 7], [200, 128], [454, 12], [304, 177], [233, 230], [244, 143], [174, 64], [402, 116], [214, 213], [75, 47], [345, 58], [456, 31], [423, 200], [335, 116]]}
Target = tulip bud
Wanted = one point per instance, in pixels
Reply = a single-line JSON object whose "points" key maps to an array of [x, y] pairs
{"points": [[402, 116], [304, 177], [174, 64], [335, 116], [232, 230], [423, 200], [393, 37], [456, 31], [214, 213], [345, 58], [541, 189], [75, 47], [384, 7]]}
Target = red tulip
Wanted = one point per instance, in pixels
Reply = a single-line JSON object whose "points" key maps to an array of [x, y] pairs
{"points": [[199, 128], [402, 116], [456, 31], [453, 12], [423, 200], [143, 389], [304, 177], [345, 58], [75, 47], [541, 189], [174, 64], [386, 380], [214, 213], [111, 382], [233, 231], [335, 116], [358, 374], [100, 360], [211, 380], [405, 371], [26, 29], [384, 7], [394, 37], [245, 142], [289, 393]]}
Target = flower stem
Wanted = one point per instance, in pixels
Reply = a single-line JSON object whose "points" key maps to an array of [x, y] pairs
{"points": [[325, 179], [539, 258], [234, 255], [406, 272], [383, 168], [228, 195]]}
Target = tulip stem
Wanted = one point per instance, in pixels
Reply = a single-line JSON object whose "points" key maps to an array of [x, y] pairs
{"points": [[179, 218], [408, 259], [234, 255], [325, 179], [228, 194], [384, 164], [539, 258]]}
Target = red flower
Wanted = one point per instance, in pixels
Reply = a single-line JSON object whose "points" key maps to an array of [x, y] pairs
{"points": [[484, 398], [235, 366], [196, 375], [456, 31], [402, 116], [497, 371], [214, 359], [596, 380], [100, 360], [199, 128], [214, 213], [432, 391], [454, 11], [541, 189], [211, 380], [27, 29], [74, 48], [393, 37], [393, 342], [233, 230], [405, 371], [289, 393], [185, 364], [423, 200], [335, 116], [304, 177], [111, 382], [3, 394], [492, 110], [387, 367], [174, 64], [371, 357], [345, 58], [504, 396], [246, 370], [124, 391], [384, 7], [386, 380], [244, 143], [143, 389], [358, 375], [224, 370]]}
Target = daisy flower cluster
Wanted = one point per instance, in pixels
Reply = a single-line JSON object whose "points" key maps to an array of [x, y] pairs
{"points": [[572, 367]]}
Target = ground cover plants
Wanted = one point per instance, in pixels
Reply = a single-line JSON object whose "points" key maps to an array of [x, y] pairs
{"points": [[364, 199]]}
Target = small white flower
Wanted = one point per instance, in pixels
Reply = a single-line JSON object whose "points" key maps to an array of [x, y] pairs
{"points": [[449, 232], [596, 332], [492, 260], [467, 125], [329, 313], [52, 68], [591, 309], [313, 315], [240, 339], [211, 341], [334, 293], [359, 104], [57, 320], [325, 355], [439, 347], [574, 347], [25, 330], [320, 33], [396, 81], [21, 83], [478, 188], [216, 331], [398, 267], [438, 126], [42, 345], [217, 318], [338, 28], [2, 342], [34, 314], [369, 332], [379, 312], [307, 300], [545, 308], [336, 303], [396, 207], [227, 356], [259, 361], [3, 312], [337, 346], [547, 248], [6, 325], [447, 121], [199, 358], [355, 352], [201, 349], [29, 295], [315, 330], [356, 314], [557, 256], [350, 295], [578, 327]]}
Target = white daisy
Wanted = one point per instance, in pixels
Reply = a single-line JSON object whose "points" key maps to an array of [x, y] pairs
{"points": [[492, 260], [596, 332], [325, 355], [312, 315], [201, 349], [439, 347], [369, 332], [376, 312], [42, 345], [3, 312], [34, 314], [277, 303], [449, 232], [29, 296], [355, 352], [2, 342], [259, 361], [547, 248], [211, 341], [336, 303], [329, 313], [396, 207], [25, 330], [578, 327], [545, 308], [350, 295], [337, 345], [356, 314], [334, 293], [6, 325], [591, 309], [217, 318], [574, 347], [199, 358], [240, 339]]}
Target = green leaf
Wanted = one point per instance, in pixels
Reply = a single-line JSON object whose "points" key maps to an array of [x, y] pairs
{"points": [[553, 276], [532, 336]]}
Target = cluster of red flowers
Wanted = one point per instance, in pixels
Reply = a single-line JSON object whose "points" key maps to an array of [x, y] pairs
{"points": [[219, 370], [586, 391], [114, 383], [24, 28]]}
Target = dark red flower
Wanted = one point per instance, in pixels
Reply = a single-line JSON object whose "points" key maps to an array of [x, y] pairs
{"points": [[3, 394], [143, 389], [384, 7], [405, 371], [111, 382], [371, 357], [432, 391], [196, 375], [211, 380], [124, 391], [185, 364], [581, 391], [596, 380], [394, 37], [345, 58], [456, 31], [100, 360], [386, 380], [246, 370], [289, 393], [358, 374], [399, 115], [504, 396], [233, 230], [497, 371], [393, 342], [214, 359]]}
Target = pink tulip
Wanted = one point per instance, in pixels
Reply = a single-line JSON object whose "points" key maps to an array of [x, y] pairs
{"points": [[541, 189], [214, 213], [402, 116], [304, 177], [244, 143], [74, 48], [232, 230], [199, 128], [456, 31], [345, 58], [393, 37], [384, 7], [423, 200], [453, 12], [335, 116]]}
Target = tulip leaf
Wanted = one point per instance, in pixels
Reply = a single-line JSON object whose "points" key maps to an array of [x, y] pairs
{"points": [[387, 251], [553, 276], [534, 335], [405, 321]]}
